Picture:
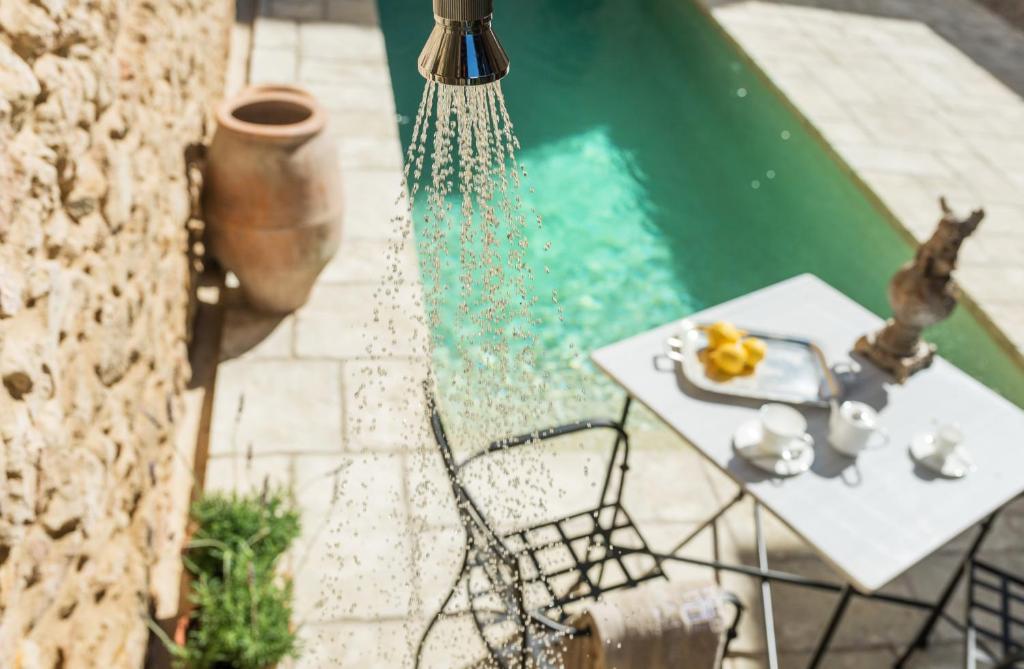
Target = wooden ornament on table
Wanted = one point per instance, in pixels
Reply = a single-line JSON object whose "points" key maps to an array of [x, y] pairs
{"points": [[922, 293]]}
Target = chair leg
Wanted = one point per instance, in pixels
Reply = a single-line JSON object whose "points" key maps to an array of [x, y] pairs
{"points": [[734, 628], [440, 611]]}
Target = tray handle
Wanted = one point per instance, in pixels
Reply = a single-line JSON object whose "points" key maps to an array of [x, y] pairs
{"points": [[674, 349]]}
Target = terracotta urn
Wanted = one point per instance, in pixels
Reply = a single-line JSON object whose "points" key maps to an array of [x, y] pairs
{"points": [[272, 194]]}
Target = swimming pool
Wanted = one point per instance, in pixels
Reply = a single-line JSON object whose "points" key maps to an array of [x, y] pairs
{"points": [[670, 177]]}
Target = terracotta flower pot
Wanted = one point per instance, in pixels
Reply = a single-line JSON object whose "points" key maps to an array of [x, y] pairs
{"points": [[272, 195]]}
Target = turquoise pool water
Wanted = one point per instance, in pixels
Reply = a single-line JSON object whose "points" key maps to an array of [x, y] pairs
{"points": [[670, 177]]}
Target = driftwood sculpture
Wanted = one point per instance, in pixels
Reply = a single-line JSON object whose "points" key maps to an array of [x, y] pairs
{"points": [[922, 293]]}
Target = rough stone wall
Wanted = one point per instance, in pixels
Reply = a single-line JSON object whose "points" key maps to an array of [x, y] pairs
{"points": [[99, 103]]}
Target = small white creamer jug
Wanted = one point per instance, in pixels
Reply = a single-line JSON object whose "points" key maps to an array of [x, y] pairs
{"points": [[853, 428]]}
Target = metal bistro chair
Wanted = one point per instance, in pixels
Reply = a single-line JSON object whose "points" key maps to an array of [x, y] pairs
{"points": [[995, 616], [521, 585]]}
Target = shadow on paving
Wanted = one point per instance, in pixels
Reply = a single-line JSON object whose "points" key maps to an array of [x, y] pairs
{"points": [[981, 35]]}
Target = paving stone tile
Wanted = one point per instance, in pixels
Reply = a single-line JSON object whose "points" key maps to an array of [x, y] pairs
{"points": [[359, 491], [663, 537], [270, 406], [866, 659], [273, 66], [252, 334], [653, 490], [812, 100], [892, 159], [366, 645], [1002, 220], [905, 196], [295, 9], [346, 72], [352, 97], [453, 644], [1010, 319], [943, 655], [842, 86], [802, 613], [976, 254], [373, 199], [929, 578], [360, 12], [838, 131], [367, 261], [274, 33], [238, 474], [958, 194], [909, 128], [431, 499], [341, 41], [989, 181], [354, 124], [437, 559], [992, 283], [361, 573], [1004, 155], [385, 407], [352, 320], [371, 153], [782, 542], [236, 73]]}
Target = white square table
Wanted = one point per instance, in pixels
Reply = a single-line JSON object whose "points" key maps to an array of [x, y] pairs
{"points": [[873, 518]]}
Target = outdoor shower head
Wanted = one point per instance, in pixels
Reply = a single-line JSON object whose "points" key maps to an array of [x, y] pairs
{"points": [[462, 50]]}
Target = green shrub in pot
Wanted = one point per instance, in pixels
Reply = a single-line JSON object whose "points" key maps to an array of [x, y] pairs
{"points": [[242, 615]]}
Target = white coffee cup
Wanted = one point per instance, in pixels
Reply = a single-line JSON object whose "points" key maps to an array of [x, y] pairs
{"points": [[853, 427], [783, 430], [946, 439]]}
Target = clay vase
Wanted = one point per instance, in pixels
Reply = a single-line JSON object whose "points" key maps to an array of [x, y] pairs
{"points": [[272, 195]]}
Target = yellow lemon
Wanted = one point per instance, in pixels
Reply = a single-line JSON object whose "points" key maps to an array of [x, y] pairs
{"points": [[755, 350], [723, 333], [729, 358]]}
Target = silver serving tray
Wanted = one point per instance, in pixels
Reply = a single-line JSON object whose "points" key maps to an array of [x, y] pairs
{"points": [[794, 370]]}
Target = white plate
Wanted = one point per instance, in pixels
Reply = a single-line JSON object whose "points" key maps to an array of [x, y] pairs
{"points": [[747, 443], [956, 465]]}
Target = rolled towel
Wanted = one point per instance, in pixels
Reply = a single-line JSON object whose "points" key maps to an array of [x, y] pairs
{"points": [[658, 625]]}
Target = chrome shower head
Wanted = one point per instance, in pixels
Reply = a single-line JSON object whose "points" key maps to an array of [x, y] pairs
{"points": [[462, 49]]}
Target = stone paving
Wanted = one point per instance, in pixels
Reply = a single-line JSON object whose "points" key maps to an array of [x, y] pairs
{"points": [[380, 542], [920, 99]]}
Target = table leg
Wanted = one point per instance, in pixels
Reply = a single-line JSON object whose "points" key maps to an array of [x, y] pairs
{"points": [[766, 591], [921, 640], [625, 410], [615, 454], [833, 625]]}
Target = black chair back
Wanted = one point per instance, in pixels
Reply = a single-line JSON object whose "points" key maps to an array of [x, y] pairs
{"points": [[995, 611]]}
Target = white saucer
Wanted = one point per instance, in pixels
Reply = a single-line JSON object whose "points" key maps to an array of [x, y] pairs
{"points": [[957, 464], [747, 443]]}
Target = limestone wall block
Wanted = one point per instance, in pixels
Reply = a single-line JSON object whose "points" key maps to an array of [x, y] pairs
{"points": [[12, 289], [31, 29], [18, 85], [89, 187]]}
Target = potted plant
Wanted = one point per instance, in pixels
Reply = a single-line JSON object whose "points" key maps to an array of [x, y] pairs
{"points": [[241, 615]]}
